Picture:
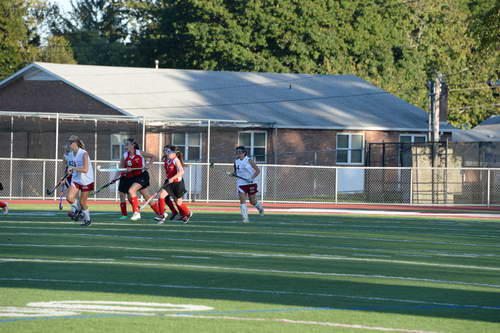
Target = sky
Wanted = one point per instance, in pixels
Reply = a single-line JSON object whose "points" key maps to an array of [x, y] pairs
{"points": [[65, 5]]}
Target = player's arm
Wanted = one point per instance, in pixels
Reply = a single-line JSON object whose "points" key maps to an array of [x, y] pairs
{"points": [[85, 167], [180, 170], [148, 158], [255, 167]]}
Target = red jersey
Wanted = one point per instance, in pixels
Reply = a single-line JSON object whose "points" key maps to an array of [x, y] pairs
{"points": [[171, 169], [133, 161]]}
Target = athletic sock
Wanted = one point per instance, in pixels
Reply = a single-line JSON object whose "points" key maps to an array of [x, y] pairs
{"points": [[135, 204], [183, 209], [244, 211], [123, 208], [2, 204], [86, 214], [171, 205], [161, 207], [258, 205], [155, 208]]}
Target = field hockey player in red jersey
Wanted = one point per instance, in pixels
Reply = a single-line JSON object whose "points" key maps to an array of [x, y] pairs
{"points": [[135, 179], [174, 184]]}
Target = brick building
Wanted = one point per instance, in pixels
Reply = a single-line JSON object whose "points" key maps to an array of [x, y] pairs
{"points": [[282, 118]]}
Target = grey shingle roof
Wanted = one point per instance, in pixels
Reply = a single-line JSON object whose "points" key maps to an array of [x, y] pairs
{"points": [[287, 100]]}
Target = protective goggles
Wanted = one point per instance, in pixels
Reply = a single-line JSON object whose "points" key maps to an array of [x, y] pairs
{"points": [[168, 151], [239, 151]]}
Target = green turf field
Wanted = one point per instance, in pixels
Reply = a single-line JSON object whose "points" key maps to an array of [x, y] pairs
{"points": [[280, 273]]}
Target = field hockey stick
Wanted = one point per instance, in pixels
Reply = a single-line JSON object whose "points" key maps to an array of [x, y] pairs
{"points": [[59, 183], [156, 195], [231, 174], [106, 185], [61, 201], [116, 169]]}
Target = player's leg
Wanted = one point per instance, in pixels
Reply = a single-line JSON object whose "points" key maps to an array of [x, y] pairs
{"points": [[132, 192], [84, 195], [243, 204]]}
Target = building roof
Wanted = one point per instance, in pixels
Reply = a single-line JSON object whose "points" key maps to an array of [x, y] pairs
{"points": [[284, 100], [487, 131]]}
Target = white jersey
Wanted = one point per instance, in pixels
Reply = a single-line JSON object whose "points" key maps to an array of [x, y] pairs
{"points": [[70, 159], [79, 177], [244, 169]]}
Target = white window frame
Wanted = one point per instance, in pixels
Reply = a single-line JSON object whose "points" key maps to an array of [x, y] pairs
{"points": [[118, 139], [186, 145], [252, 147], [350, 149], [413, 136]]}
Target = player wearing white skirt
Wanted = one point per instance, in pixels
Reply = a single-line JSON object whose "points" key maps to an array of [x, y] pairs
{"points": [[82, 180], [246, 168]]}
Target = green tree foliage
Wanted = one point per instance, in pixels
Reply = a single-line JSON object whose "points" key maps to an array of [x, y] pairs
{"points": [[398, 45], [13, 36], [58, 50], [96, 30]]}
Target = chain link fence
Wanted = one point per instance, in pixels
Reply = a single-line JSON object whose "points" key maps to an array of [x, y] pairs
{"points": [[29, 179]]}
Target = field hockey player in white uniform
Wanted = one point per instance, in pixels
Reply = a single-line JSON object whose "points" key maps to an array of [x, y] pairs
{"points": [[82, 179], [246, 168]]}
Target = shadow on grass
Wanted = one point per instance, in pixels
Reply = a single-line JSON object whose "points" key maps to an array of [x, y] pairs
{"points": [[254, 287]]}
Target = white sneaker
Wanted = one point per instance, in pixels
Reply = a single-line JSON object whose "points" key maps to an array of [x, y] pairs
{"points": [[245, 220], [6, 209], [136, 216]]}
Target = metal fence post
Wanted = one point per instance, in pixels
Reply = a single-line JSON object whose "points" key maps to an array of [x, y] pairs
{"points": [[43, 180], [489, 187], [11, 155], [336, 184], [411, 186]]}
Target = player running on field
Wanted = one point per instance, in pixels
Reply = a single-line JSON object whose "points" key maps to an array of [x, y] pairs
{"points": [[174, 184], [246, 168], [133, 181], [82, 180]]}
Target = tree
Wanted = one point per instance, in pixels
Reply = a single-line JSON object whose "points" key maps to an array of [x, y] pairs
{"points": [[58, 50], [13, 36], [96, 30]]}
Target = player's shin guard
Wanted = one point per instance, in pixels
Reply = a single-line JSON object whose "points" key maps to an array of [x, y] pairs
{"points": [[161, 207], [123, 208], [135, 204], [184, 210], [155, 208], [244, 211], [171, 205]]}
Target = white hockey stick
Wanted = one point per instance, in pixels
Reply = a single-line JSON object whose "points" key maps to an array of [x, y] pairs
{"points": [[116, 169], [228, 173]]}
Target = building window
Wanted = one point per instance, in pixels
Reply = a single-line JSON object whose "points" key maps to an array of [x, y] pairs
{"points": [[350, 148], [118, 147], [255, 142], [189, 144], [413, 138]]}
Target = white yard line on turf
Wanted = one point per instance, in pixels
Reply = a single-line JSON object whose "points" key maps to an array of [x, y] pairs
{"points": [[382, 212], [253, 270], [259, 291], [304, 322], [279, 255], [377, 239]]}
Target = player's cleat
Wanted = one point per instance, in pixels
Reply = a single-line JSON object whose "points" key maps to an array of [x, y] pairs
{"points": [[136, 216], [174, 216], [160, 219], [75, 215], [245, 220], [123, 217], [261, 211], [185, 219], [86, 223], [6, 209]]}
